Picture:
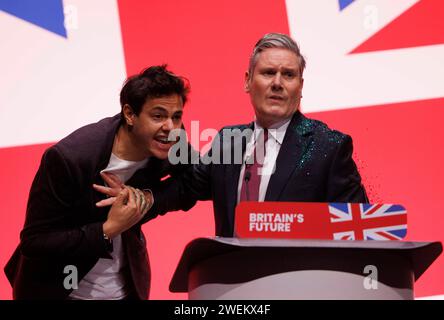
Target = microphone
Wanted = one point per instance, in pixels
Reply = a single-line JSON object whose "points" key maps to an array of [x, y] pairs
{"points": [[247, 178], [248, 161], [247, 175]]}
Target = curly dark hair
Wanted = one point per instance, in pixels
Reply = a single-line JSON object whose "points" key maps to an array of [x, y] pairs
{"points": [[152, 82]]}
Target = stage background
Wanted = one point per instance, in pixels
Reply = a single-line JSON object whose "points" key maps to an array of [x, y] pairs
{"points": [[374, 71]]}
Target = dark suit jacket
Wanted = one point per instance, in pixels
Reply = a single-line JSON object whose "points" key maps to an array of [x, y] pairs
{"points": [[314, 164], [64, 227]]}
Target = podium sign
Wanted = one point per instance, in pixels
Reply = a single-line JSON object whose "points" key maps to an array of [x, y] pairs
{"points": [[314, 220]]}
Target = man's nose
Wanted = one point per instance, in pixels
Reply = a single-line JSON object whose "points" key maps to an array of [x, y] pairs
{"points": [[168, 125], [277, 82]]}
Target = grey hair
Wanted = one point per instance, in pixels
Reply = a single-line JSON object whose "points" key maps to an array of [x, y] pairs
{"points": [[275, 40]]}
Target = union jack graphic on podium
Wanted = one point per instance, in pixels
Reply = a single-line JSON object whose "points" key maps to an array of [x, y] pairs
{"points": [[361, 221]]}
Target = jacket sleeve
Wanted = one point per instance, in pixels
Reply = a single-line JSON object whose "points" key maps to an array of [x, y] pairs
{"points": [[182, 191], [344, 182], [51, 228]]}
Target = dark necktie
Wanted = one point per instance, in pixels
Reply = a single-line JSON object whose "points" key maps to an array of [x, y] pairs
{"points": [[252, 174]]}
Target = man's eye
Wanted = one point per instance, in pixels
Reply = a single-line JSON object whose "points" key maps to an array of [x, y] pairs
{"points": [[157, 116]]}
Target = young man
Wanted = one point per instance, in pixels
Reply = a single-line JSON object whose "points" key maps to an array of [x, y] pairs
{"points": [[71, 249]]}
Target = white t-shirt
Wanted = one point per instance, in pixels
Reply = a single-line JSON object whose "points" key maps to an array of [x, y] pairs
{"points": [[106, 280]]}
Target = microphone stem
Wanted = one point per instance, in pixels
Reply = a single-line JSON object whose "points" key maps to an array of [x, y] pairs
{"points": [[247, 189], [247, 180]]}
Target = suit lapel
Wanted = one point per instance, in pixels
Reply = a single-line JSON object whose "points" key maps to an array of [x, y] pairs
{"points": [[112, 127], [296, 141]]}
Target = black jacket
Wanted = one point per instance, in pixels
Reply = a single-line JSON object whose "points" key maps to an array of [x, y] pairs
{"points": [[64, 227], [314, 164]]}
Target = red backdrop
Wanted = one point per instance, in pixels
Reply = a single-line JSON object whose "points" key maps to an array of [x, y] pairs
{"points": [[397, 145]]}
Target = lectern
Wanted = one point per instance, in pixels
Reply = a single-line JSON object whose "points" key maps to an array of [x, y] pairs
{"points": [[231, 268]]}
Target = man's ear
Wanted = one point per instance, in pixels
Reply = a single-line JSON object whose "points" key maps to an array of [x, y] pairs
{"points": [[302, 87], [129, 114], [247, 82]]}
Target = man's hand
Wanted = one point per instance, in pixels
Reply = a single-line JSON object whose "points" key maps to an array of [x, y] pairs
{"points": [[128, 208], [115, 186]]}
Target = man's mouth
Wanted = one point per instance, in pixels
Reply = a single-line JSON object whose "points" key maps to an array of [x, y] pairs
{"points": [[276, 97], [163, 140]]}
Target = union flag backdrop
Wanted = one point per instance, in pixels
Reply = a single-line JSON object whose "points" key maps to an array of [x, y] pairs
{"points": [[374, 71]]}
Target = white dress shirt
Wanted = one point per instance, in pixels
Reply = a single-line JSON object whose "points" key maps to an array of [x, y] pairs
{"points": [[276, 134]]}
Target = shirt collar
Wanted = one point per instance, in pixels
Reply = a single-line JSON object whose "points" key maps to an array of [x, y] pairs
{"points": [[277, 130]]}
